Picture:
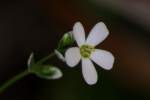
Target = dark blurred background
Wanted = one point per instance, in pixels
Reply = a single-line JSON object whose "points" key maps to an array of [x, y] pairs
{"points": [[37, 25]]}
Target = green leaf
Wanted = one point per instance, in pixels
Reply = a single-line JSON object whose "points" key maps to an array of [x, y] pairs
{"points": [[59, 55], [31, 60], [46, 71], [43, 71]]}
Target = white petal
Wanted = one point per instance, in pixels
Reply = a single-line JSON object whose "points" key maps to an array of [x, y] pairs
{"points": [[59, 55], [97, 34], [79, 33], [89, 72], [103, 58], [72, 56]]}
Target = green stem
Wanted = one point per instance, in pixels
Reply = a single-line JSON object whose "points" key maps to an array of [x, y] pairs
{"points": [[13, 80], [46, 58], [23, 74]]}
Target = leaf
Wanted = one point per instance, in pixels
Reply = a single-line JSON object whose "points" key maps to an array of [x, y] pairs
{"points": [[47, 71], [31, 60], [59, 55]]}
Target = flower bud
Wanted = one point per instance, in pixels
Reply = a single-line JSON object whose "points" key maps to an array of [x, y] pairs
{"points": [[66, 41]]}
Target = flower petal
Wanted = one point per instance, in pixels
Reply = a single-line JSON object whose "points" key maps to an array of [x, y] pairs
{"points": [[103, 58], [97, 34], [79, 33], [89, 72], [72, 56]]}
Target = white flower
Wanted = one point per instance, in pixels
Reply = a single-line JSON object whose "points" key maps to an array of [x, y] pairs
{"points": [[87, 52]]}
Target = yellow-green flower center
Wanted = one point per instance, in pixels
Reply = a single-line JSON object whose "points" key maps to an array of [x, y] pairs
{"points": [[86, 50]]}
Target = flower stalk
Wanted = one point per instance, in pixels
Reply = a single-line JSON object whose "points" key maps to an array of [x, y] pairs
{"points": [[13, 80], [23, 74]]}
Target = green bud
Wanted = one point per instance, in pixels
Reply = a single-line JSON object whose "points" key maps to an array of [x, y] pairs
{"points": [[66, 41]]}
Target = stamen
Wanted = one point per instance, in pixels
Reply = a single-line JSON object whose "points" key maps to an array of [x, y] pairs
{"points": [[86, 50]]}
